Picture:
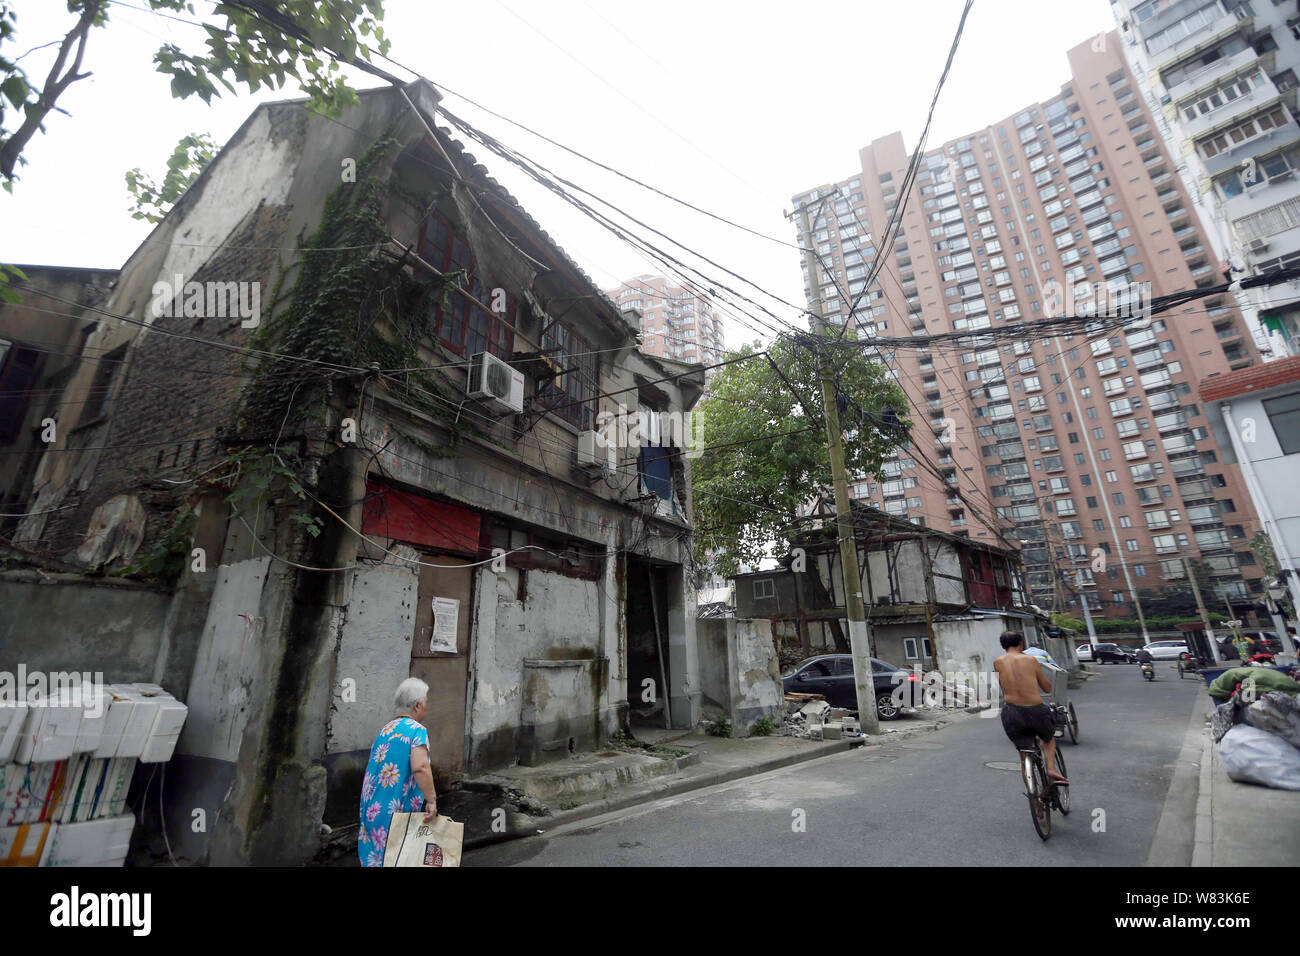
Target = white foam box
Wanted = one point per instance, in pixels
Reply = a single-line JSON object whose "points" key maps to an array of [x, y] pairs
{"points": [[166, 731], [30, 790], [24, 845], [94, 716], [12, 776], [144, 712], [64, 796], [93, 843], [13, 717], [88, 790], [51, 731], [130, 718], [119, 712], [111, 800]]}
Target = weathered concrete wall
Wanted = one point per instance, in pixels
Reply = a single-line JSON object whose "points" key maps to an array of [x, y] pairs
{"points": [[559, 618], [374, 656], [739, 671], [945, 560], [969, 645], [62, 622], [757, 685], [560, 710], [374, 652]]}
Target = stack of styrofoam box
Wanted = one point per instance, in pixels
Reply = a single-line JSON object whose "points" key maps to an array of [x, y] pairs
{"points": [[64, 776]]}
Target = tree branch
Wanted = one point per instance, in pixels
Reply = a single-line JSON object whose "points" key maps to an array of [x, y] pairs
{"points": [[55, 84]]}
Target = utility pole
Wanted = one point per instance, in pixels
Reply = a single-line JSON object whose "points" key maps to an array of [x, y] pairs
{"points": [[859, 632], [1078, 585], [1200, 608]]}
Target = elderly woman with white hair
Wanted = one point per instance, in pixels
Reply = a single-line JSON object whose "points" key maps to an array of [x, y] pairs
{"points": [[399, 776]]}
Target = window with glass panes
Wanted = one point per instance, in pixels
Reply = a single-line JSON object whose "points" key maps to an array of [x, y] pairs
{"points": [[572, 393], [458, 323]]}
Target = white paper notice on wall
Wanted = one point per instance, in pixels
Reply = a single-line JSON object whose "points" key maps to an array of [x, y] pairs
{"points": [[446, 614]]}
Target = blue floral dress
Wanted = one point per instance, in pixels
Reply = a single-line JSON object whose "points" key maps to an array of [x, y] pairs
{"points": [[388, 786]]}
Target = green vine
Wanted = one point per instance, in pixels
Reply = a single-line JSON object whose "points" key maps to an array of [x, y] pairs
{"points": [[350, 304], [163, 559]]}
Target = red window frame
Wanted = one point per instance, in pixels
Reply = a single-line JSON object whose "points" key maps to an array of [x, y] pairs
{"points": [[458, 323]]}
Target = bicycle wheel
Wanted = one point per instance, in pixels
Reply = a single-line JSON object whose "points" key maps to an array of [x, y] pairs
{"points": [[1062, 793], [1072, 723], [1038, 809]]}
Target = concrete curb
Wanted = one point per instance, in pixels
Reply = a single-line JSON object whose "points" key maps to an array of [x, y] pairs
{"points": [[1203, 851], [1176, 836], [520, 825]]}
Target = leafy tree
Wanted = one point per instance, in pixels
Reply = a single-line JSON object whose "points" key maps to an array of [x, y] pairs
{"points": [[1065, 622], [765, 450], [1262, 545], [152, 200], [250, 43]]}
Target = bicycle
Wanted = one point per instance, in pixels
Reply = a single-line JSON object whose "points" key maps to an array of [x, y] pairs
{"points": [[1043, 792], [1065, 719]]}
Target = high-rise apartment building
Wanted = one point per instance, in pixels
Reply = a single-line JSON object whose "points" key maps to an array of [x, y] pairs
{"points": [[1088, 450], [1220, 78], [676, 323]]}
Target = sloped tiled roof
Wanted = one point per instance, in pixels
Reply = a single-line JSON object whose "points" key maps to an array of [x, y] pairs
{"points": [[1256, 378]]}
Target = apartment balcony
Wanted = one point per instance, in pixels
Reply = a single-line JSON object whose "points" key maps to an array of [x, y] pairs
{"points": [[1207, 75], [1232, 111], [1156, 164], [1204, 38], [1265, 142], [1238, 360], [1185, 233], [1200, 271]]}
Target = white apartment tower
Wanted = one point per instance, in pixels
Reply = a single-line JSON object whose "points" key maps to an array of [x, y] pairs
{"points": [[676, 323], [1220, 79]]}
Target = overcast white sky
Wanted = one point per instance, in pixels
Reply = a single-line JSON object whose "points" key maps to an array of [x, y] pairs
{"points": [[734, 107]]}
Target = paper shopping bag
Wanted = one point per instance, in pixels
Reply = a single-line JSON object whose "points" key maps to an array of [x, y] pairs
{"points": [[412, 842]]}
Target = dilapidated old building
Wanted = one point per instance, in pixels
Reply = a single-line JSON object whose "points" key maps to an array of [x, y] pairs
{"points": [[351, 410], [934, 600]]}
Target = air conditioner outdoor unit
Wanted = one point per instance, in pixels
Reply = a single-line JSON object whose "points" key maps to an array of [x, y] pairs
{"points": [[1257, 244], [495, 383], [591, 454]]}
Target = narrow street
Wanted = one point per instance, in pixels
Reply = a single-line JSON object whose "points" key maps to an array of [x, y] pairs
{"points": [[928, 800]]}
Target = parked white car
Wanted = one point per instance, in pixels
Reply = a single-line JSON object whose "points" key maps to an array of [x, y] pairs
{"points": [[1083, 652], [1166, 650]]}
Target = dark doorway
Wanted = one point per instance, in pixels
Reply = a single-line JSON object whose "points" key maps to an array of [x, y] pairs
{"points": [[647, 647]]}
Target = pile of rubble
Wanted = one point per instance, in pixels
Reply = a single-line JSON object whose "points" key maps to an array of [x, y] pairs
{"points": [[818, 720]]}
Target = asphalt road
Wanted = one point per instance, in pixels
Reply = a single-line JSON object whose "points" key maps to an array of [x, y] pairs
{"points": [[927, 801]]}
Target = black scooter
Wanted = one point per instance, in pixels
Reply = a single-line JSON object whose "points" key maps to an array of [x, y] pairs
{"points": [[1148, 670]]}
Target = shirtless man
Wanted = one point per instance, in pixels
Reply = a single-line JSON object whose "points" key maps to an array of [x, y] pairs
{"points": [[1024, 715]]}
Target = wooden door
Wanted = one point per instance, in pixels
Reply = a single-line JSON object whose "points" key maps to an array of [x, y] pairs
{"points": [[445, 672]]}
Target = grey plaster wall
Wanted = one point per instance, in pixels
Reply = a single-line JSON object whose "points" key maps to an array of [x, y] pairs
{"points": [[62, 622], [374, 652]]}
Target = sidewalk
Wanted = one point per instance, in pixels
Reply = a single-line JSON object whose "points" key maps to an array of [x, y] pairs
{"points": [[523, 801], [1210, 820]]}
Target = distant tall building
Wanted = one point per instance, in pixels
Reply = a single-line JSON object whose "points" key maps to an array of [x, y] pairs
{"points": [[1089, 450], [1220, 79], [676, 323]]}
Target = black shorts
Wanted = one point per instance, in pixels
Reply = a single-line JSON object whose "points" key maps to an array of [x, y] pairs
{"points": [[1024, 724]]}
